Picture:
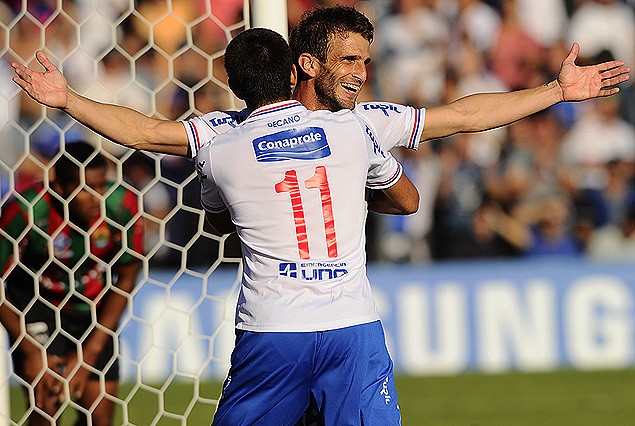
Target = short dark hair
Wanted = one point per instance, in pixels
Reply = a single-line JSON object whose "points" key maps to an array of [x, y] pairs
{"points": [[316, 27], [258, 63], [67, 170]]}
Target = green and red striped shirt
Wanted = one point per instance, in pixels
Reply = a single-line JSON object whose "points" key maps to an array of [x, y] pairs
{"points": [[50, 251]]}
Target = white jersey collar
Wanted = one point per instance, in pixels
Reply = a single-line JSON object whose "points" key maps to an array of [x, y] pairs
{"points": [[274, 108]]}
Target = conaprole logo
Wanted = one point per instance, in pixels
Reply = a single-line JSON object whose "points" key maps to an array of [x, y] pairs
{"points": [[308, 143], [313, 271]]}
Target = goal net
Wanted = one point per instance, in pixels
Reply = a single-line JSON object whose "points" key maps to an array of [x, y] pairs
{"points": [[165, 59]]}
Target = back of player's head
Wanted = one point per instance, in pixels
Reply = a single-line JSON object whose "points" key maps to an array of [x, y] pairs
{"points": [[77, 156], [316, 28], [259, 64]]}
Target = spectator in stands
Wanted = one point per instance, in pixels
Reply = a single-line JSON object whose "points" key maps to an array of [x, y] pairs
{"points": [[614, 242], [405, 238], [460, 191], [493, 234], [69, 257], [604, 25], [584, 155], [516, 57], [479, 22], [412, 44], [544, 20], [548, 222], [475, 77]]}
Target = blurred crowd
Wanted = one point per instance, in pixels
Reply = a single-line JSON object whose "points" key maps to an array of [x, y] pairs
{"points": [[560, 183]]}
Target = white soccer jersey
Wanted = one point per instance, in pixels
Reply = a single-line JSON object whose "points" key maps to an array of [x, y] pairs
{"points": [[394, 125], [294, 182]]}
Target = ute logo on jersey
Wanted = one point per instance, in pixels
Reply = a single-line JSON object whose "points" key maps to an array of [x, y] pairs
{"points": [[385, 108], [308, 143], [229, 120], [376, 147]]}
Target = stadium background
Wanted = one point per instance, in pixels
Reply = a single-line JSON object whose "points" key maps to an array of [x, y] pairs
{"points": [[525, 340]]}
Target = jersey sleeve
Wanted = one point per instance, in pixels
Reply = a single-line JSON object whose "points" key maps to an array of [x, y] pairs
{"points": [[202, 129], [394, 125], [198, 132], [384, 170], [211, 200]]}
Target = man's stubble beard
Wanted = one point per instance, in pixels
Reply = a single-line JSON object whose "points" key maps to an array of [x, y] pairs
{"points": [[325, 90]]}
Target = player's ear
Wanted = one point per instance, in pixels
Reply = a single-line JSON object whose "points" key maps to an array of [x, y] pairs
{"points": [[294, 76], [306, 64]]}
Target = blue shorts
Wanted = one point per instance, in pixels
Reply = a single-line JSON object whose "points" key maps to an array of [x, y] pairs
{"points": [[272, 377]]}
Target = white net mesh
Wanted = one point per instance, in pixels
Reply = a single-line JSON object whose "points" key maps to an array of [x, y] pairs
{"points": [[163, 58]]}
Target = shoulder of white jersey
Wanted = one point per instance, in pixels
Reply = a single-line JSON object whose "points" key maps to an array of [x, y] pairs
{"points": [[221, 121], [384, 108], [201, 129], [403, 123]]}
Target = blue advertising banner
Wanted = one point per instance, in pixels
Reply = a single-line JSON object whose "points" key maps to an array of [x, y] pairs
{"points": [[442, 318], [501, 316]]}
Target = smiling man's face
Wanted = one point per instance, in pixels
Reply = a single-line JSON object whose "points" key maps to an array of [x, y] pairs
{"points": [[340, 79]]}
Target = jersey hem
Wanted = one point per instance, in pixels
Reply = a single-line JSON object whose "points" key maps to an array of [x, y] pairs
{"points": [[287, 328]]}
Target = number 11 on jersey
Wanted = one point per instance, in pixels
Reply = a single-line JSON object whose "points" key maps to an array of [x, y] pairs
{"points": [[318, 181]]}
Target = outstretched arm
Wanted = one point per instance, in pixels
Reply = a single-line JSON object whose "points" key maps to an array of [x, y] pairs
{"points": [[484, 111], [120, 124]]}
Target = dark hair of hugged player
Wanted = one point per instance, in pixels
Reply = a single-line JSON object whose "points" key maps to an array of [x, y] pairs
{"points": [[270, 80], [313, 32]]}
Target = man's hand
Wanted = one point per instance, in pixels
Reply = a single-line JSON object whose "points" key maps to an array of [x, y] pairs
{"points": [[49, 88], [45, 380], [580, 83], [77, 374]]}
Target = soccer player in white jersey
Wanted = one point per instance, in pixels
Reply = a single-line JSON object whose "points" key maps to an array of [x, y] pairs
{"points": [[293, 183], [343, 35], [332, 49]]}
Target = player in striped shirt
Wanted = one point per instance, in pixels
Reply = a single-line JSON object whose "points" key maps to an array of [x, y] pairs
{"points": [[70, 278]]}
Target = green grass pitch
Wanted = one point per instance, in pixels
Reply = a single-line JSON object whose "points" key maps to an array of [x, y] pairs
{"points": [[551, 399]]}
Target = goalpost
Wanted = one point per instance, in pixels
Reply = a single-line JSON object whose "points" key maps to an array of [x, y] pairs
{"points": [[163, 58]]}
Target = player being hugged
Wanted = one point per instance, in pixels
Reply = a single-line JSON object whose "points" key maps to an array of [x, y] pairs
{"points": [[293, 183]]}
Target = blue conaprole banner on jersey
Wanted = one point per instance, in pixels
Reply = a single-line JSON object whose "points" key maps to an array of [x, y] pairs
{"points": [[308, 143]]}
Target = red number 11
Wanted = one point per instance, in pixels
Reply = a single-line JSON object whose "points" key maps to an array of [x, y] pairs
{"points": [[318, 181]]}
